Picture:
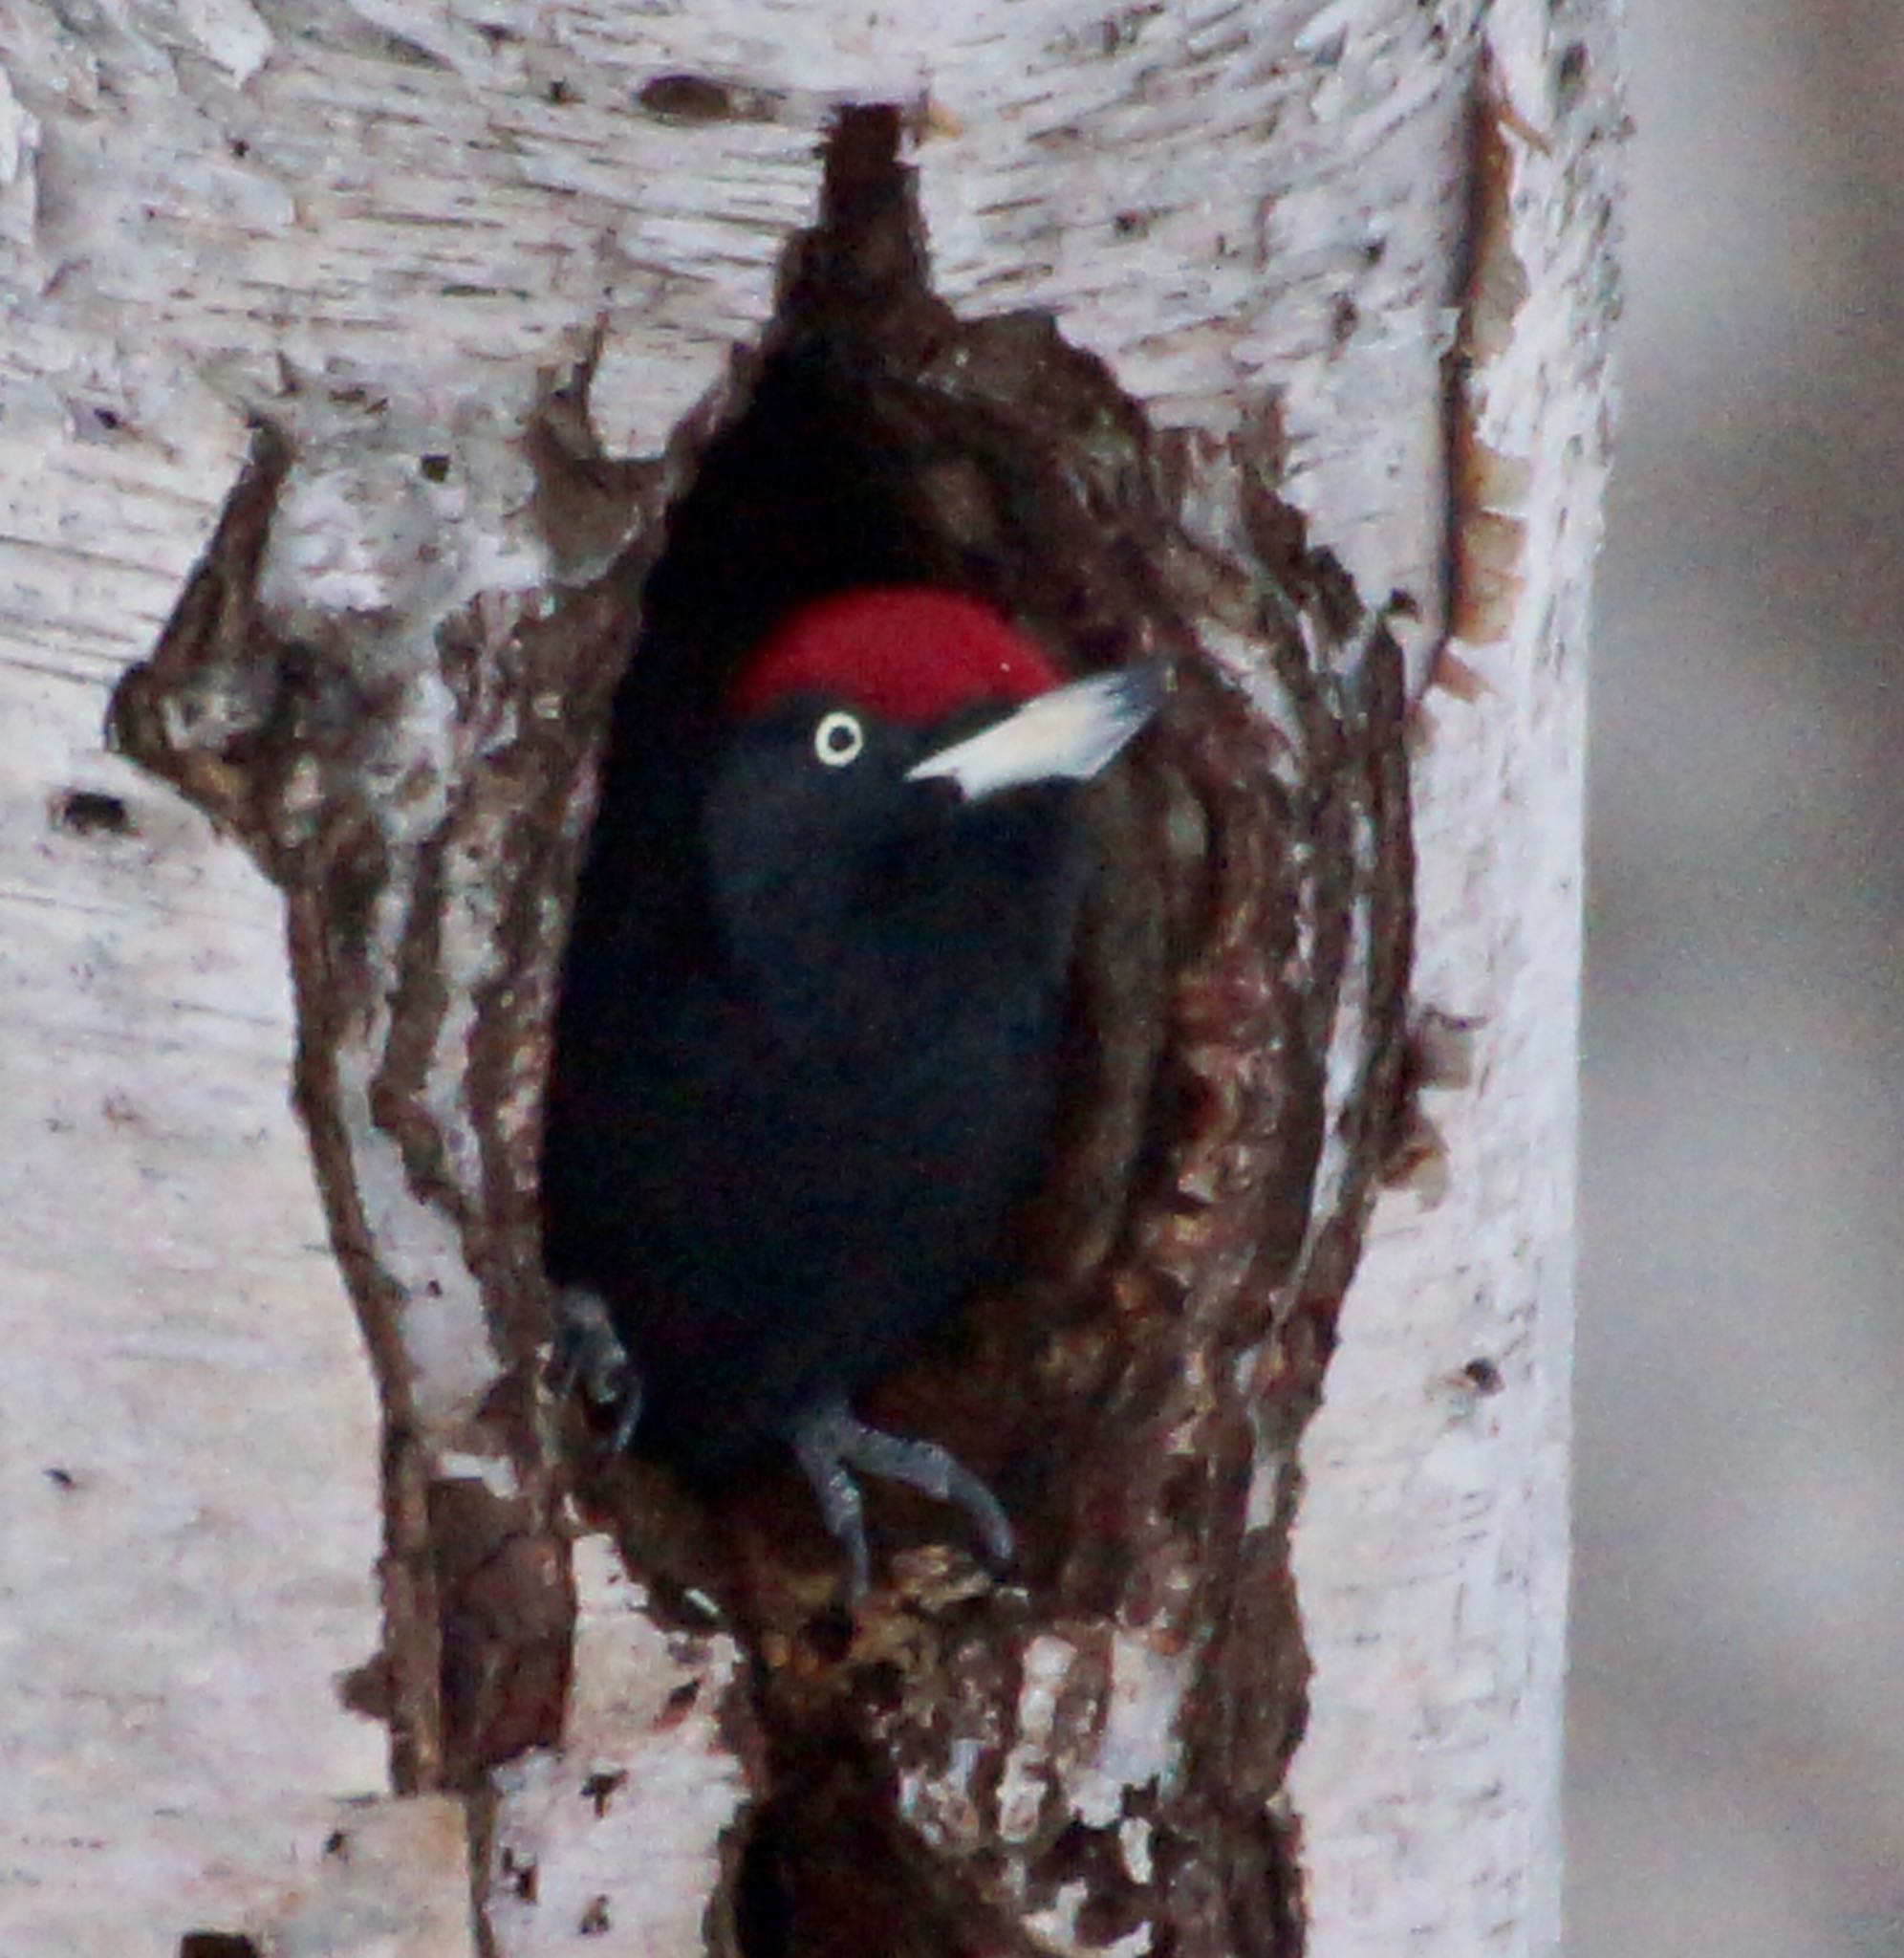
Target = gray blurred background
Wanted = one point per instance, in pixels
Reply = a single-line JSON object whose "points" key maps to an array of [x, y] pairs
{"points": [[1737, 1778]]}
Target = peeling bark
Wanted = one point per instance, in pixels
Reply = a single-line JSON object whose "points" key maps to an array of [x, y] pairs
{"points": [[1093, 1755]]}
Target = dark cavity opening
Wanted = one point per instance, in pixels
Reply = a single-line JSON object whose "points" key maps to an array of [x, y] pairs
{"points": [[876, 437]]}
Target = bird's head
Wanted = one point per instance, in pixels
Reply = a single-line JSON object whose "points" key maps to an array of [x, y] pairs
{"points": [[902, 745], [904, 684]]}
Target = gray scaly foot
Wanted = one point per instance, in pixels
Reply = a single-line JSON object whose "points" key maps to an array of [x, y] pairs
{"points": [[589, 1354], [831, 1443]]}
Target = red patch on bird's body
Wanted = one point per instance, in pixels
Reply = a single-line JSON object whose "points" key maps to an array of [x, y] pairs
{"points": [[907, 653]]}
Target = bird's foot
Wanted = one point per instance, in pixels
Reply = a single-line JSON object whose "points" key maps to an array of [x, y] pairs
{"points": [[831, 1443], [589, 1354]]}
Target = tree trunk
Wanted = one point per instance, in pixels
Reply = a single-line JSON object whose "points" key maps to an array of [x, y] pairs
{"points": [[1269, 342]]}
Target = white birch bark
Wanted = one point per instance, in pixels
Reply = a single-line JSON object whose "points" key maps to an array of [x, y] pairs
{"points": [[1432, 1550], [1285, 208]]}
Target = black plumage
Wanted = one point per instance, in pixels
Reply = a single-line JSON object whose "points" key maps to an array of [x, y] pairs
{"points": [[808, 1053]]}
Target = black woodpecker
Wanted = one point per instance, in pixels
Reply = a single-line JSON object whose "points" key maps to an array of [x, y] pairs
{"points": [[808, 1051]]}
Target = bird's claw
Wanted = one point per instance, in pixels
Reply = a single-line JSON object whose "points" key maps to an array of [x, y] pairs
{"points": [[831, 1443], [589, 1354]]}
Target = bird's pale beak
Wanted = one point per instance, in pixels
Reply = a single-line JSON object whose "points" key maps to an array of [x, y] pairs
{"points": [[1069, 735]]}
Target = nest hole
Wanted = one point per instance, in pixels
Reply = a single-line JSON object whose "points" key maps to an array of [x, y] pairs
{"points": [[873, 438]]}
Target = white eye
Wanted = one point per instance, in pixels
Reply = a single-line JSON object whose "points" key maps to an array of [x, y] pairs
{"points": [[838, 739]]}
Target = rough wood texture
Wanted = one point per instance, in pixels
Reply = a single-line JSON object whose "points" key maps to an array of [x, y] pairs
{"points": [[423, 210], [399, 721]]}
